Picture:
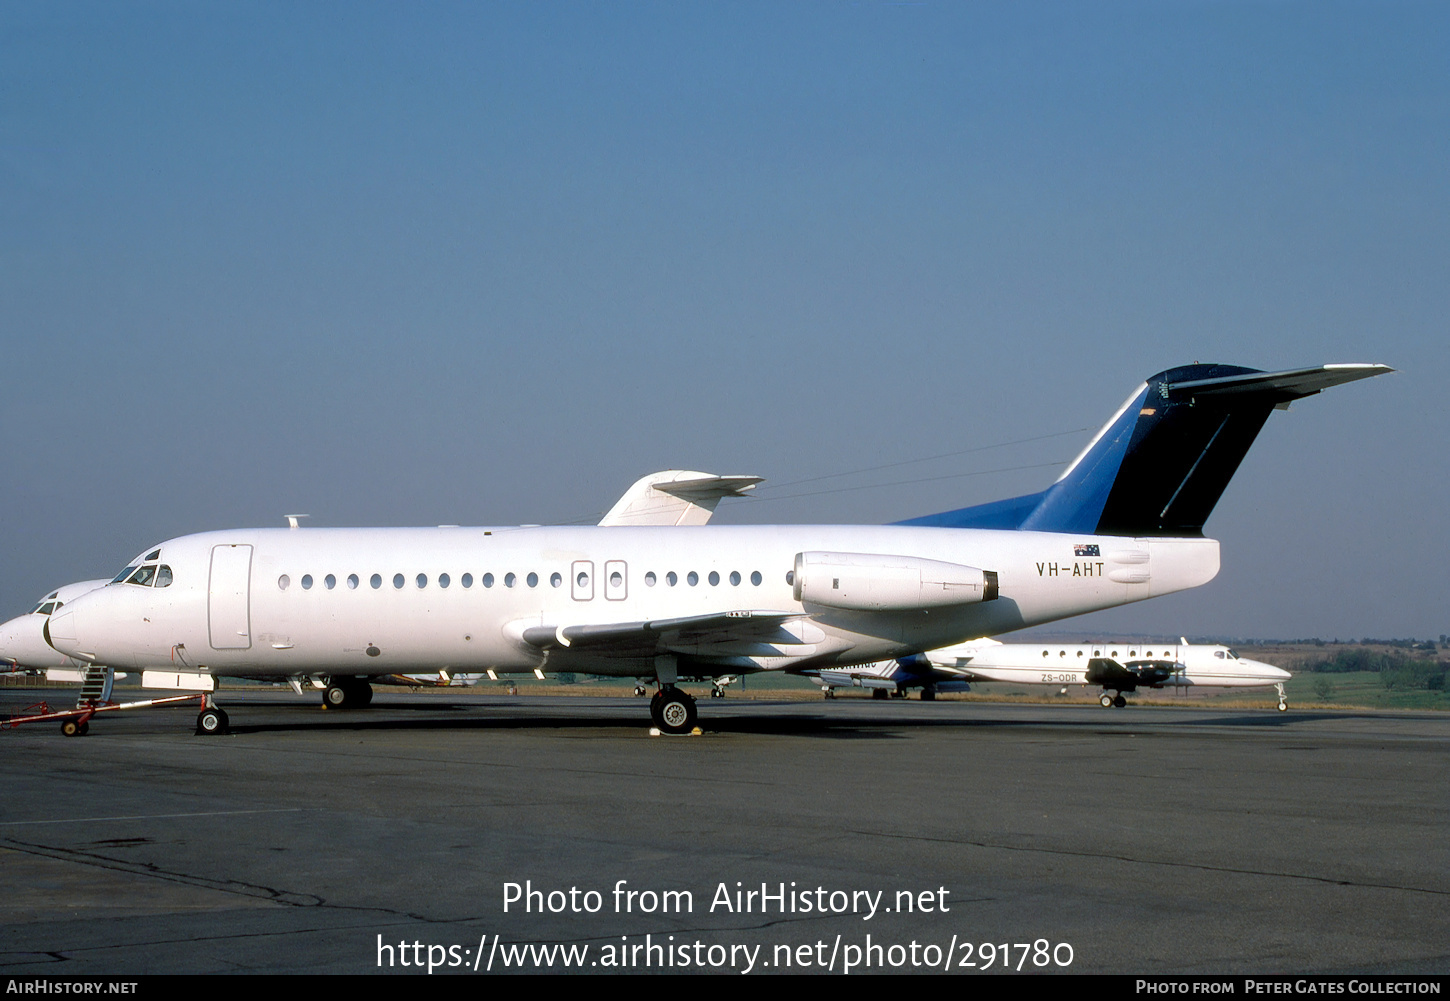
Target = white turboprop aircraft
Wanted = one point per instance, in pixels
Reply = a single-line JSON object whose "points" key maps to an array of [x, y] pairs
{"points": [[1116, 667], [1122, 524]]}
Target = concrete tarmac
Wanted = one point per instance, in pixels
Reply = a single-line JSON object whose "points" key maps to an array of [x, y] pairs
{"points": [[885, 835]]}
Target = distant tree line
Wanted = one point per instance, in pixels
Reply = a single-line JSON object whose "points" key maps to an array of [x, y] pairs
{"points": [[1397, 671]]}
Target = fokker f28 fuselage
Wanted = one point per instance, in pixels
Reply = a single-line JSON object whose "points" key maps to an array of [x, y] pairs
{"points": [[387, 601]]}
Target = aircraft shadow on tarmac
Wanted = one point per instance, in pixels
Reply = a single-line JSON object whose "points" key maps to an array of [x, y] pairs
{"points": [[805, 722]]}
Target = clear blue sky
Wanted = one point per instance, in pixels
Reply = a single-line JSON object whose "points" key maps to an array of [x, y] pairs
{"points": [[488, 263]]}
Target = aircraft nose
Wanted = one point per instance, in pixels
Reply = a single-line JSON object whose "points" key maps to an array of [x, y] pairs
{"points": [[9, 656], [62, 631], [1271, 672], [21, 644]]}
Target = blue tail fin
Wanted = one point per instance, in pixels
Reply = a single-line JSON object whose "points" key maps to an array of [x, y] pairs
{"points": [[1159, 466]]}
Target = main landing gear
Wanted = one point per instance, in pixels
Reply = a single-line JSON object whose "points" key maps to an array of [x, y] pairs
{"points": [[212, 722], [1109, 701], [347, 693], [673, 711]]}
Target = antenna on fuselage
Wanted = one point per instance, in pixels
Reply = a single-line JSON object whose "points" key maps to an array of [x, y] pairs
{"points": [[292, 519]]}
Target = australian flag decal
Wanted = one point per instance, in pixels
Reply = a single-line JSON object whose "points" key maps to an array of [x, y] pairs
{"points": [[1085, 551]]}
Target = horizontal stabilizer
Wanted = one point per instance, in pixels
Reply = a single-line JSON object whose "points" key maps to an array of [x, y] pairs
{"points": [[1280, 387]]}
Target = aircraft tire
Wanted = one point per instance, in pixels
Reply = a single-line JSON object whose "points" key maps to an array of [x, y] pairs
{"points": [[677, 712], [1283, 707], [928, 695], [1105, 700], [1120, 702], [211, 723], [365, 695], [336, 696], [880, 693]]}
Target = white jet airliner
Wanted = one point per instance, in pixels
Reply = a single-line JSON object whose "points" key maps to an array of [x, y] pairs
{"points": [[1122, 524], [22, 639], [1116, 667]]}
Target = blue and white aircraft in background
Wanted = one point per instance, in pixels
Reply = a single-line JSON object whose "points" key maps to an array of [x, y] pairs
{"points": [[1116, 667], [1122, 524]]}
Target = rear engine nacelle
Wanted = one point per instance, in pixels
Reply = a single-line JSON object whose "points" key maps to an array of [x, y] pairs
{"points": [[872, 583]]}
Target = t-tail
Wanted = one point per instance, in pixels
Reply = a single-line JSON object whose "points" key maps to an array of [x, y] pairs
{"points": [[1158, 467]]}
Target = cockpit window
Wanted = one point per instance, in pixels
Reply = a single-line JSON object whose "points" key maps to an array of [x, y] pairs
{"points": [[1233, 655], [155, 554], [123, 575], [45, 607], [163, 576], [143, 576]]}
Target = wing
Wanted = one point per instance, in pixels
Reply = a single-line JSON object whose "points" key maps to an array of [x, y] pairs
{"points": [[1109, 673], [722, 634]]}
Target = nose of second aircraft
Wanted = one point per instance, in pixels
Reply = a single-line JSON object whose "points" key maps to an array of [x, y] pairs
{"points": [[22, 644]]}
